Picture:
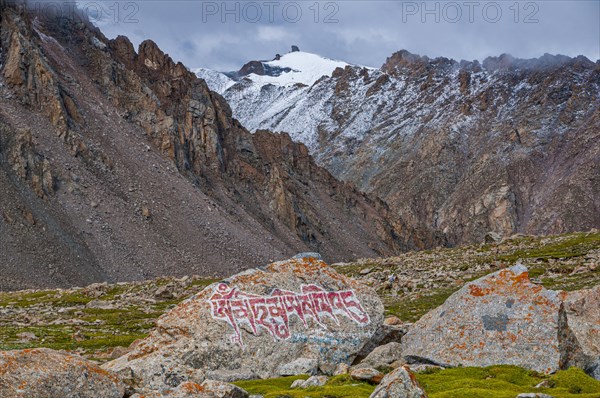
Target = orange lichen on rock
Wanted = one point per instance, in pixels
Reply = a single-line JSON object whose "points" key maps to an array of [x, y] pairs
{"points": [[477, 291], [42, 372], [191, 387]]}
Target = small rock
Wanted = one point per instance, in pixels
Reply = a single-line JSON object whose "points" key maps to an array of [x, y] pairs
{"points": [[492, 237], [100, 304], [78, 336], [382, 356], [365, 271], [313, 381], [299, 366], [400, 383], [579, 270], [534, 395], [26, 337], [544, 384], [392, 321], [384, 334], [164, 292], [366, 374], [341, 369], [146, 212]]}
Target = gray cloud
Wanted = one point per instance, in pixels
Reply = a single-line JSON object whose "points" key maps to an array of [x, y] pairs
{"points": [[223, 35]]}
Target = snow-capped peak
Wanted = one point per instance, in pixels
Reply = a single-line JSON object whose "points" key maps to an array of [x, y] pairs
{"points": [[293, 68], [299, 67]]}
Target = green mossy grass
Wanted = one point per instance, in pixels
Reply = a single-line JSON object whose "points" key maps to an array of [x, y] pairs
{"points": [[337, 387], [506, 382], [502, 381], [103, 328]]}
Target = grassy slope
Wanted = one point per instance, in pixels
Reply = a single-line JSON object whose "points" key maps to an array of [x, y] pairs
{"points": [[61, 319], [551, 261]]}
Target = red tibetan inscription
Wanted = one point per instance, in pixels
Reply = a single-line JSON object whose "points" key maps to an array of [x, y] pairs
{"points": [[273, 312]]}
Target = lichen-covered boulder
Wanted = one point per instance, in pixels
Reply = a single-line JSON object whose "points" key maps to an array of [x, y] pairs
{"points": [[256, 323], [45, 373], [501, 318], [582, 310], [400, 383]]}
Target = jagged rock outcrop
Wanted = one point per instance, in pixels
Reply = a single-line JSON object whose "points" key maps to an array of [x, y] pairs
{"points": [[45, 373], [137, 162], [19, 152], [458, 148], [292, 317], [504, 318]]}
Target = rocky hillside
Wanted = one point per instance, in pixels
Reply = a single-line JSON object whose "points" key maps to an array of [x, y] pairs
{"points": [[122, 165], [98, 319], [459, 148]]}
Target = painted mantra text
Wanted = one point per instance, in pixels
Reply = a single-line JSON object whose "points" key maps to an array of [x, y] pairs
{"points": [[273, 312]]}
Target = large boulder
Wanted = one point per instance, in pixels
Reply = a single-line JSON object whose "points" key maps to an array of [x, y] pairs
{"points": [[45, 373], [582, 313], [400, 383], [257, 323], [502, 318]]}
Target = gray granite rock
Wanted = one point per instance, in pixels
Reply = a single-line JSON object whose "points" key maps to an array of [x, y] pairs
{"points": [[383, 355], [291, 317], [502, 318], [582, 310]]}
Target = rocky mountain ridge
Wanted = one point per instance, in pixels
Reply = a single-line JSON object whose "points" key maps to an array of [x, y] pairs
{"points": [[458, 148], [112, 156]]}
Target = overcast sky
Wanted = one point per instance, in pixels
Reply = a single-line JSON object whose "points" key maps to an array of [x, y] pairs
{"points": [[223, 35]]}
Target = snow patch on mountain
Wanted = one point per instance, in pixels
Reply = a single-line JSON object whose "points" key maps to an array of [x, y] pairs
{"points": [[216, 81]]}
